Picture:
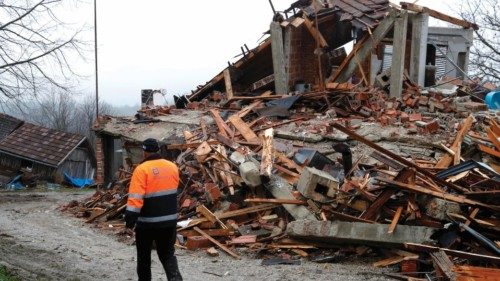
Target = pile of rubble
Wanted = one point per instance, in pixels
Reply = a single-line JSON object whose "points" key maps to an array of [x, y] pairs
{"points": [[309, 173], [247, 182]]}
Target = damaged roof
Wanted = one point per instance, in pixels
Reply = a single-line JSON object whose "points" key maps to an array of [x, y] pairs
{"points": [[39, 144], [8, 124], [361, 13]]}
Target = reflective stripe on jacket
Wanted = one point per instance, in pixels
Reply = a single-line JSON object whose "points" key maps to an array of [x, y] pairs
{"points": [[153, 192]]}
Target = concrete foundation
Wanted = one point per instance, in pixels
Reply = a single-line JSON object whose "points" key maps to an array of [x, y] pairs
{"points": [[358, 233]]}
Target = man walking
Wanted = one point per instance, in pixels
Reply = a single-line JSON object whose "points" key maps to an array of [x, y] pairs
{"points": [[152, 209]]}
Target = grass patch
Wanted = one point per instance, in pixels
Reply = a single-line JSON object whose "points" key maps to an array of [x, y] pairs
{"points": [[6, 276]]}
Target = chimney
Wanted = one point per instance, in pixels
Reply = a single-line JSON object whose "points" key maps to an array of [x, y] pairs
{"points": [[147, 98]]}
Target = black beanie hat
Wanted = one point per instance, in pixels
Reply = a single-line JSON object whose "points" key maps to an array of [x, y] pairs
{"points": [[150, 145]]}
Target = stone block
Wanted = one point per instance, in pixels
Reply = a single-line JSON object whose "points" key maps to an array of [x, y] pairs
{"points": [[317, 185], [438, 208], [250, 173]]}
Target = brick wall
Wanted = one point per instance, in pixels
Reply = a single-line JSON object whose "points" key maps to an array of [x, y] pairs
{"points": [[303, 65], [99, 154]]}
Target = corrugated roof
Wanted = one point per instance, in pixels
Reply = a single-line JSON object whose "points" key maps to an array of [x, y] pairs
{"points": [[40, 144], [8, 124]]}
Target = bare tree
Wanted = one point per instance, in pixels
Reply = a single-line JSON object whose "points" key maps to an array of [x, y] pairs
{"points": [[485, 55], [55, 110], [34, 48], [85, 116]]}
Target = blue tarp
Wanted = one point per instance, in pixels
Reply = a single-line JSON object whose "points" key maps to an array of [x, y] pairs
{"points": [[77, 182], [15, 183]]}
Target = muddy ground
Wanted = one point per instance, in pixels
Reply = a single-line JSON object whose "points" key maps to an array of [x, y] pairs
{"points": [[38, 242]]}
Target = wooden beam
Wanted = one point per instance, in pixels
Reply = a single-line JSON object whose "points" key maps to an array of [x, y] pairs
{"points": [[493, 138], [211, 232], [223, 127], [244, 129], [396, 157], [363, 48], [438, 15], [454, 253], [266, 165], [489, 150], [443, 265], [374, 208], [316, 34], [445, 196], [209, 215], [276, 201], [447, 160], [224, 248], [395, 220]]}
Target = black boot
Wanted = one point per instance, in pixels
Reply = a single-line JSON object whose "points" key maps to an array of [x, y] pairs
{"points": [[172, 269]]}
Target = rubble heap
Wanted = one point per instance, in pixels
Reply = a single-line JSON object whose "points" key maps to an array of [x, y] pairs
{"points": [[333, 169]]}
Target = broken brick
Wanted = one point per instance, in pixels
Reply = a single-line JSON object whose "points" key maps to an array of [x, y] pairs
{"points": [[197, 242], [415, 117]]}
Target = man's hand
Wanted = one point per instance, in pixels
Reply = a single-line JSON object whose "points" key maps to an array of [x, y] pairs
{"points": [[130, 219]]}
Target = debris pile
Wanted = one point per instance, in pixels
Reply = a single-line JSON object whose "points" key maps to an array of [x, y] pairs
{"points": [[330, 170], [246, 182]]}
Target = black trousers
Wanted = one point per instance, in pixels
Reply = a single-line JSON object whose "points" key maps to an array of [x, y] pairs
{"points": [[164, 239]]}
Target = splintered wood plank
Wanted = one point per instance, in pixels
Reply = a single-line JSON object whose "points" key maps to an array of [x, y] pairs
{"points": [[495, 128], [276, 201], [454, 253], [242, 113], [389, 261], [372, 211], [228, 84], [266, 165], [209, 215], [446, 196], [217, 243], [447, 159], [489, 150], [395, 220], [493, 138], [290, 164], [223, 127], [443, 265], [211, 232], [244, 129]]}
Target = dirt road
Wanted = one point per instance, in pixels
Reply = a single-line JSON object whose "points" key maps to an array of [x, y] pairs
{"points": [[40, 243]]}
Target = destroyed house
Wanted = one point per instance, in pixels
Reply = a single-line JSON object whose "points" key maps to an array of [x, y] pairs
{"points": [[313, 45], [119, 139], [45, 151]]}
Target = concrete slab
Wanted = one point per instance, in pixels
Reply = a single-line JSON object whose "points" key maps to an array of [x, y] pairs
{"points": [[358, 233], [281, 189]]}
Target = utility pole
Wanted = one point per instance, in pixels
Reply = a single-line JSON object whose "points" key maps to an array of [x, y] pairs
{"points": [[96, 68]]}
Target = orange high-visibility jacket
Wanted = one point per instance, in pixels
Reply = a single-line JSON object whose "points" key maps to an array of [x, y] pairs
{"points": [[153, 193]]}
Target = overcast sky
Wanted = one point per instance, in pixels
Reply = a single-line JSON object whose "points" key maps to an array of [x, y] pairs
{"points": [[173, 45]]}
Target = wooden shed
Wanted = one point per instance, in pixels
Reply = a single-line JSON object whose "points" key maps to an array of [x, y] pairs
{"points": [[47, 152]]}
